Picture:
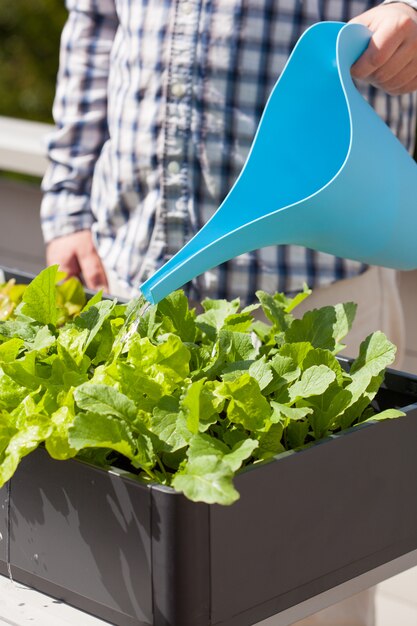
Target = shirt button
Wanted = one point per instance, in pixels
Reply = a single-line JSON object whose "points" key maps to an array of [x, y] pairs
{"points": [[178, 90], [187, 8], [174, 167]]}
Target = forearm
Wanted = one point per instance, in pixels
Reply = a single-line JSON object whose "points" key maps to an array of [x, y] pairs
{"points": [[80, 114]]}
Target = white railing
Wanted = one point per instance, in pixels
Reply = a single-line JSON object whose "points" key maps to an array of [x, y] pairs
{"points": [[23, 151], [22, 146]]}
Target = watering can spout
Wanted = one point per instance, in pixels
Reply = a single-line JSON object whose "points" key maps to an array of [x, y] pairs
{"points": [[323, 172], [214, 244], [234, 229], [192, 260]]}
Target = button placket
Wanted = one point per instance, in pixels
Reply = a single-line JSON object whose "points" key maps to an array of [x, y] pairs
{"points": [[177, 129]]}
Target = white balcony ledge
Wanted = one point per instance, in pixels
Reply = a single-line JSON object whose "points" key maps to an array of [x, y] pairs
{"points": [[22, 146]]}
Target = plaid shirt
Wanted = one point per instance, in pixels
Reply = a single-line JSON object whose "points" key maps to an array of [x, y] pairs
{"points": [[156, 107]]}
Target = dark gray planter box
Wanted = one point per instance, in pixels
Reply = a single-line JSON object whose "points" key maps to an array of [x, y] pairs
{"points": [[142, 555]]}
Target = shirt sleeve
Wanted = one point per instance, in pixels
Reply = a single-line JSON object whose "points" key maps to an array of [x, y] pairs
{"points": [[411, 3], [80, 115]]}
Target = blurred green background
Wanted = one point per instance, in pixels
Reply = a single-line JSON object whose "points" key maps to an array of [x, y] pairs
{"points": [[29, 34]]}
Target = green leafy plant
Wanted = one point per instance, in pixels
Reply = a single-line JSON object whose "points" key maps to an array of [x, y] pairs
{"points": [[180, 398]]}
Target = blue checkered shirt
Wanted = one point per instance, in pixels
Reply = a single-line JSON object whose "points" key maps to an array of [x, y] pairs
{"points": [[156, 107]]}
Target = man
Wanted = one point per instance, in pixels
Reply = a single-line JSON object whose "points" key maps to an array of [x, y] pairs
{"points": [[156, 107]]}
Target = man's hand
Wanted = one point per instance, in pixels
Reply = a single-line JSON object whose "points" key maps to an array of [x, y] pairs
{"points": [[390, 61], [76, 256]]}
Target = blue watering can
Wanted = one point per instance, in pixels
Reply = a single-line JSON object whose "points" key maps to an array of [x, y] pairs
{"points": [[324, 171]]}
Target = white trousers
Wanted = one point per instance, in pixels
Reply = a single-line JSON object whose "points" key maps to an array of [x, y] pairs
{"points": [[379, 307]]}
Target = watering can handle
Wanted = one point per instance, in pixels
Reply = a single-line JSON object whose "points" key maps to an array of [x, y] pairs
{"points": [[351, 43]]}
